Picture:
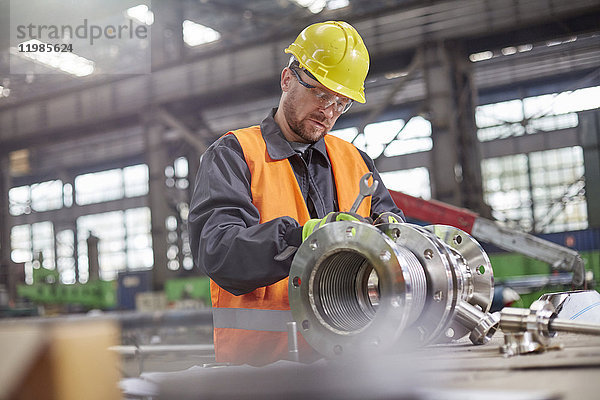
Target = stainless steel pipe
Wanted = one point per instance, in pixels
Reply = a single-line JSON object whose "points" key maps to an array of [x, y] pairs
{"points": [[355, 287], [565, 325]]}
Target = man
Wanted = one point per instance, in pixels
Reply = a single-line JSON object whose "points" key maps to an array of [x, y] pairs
{"points": [[261, 190]]}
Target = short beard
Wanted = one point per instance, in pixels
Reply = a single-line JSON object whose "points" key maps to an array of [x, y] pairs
{"points": [[297, 125]]}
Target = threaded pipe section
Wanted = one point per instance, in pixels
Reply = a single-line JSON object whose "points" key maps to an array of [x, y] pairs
{"points": [[336, 295], [346, 289], [416, 284]]}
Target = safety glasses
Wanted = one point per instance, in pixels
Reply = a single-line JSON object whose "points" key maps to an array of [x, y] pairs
{"points": [[323, 98]]}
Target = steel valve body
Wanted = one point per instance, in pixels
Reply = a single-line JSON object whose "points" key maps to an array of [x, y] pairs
{"points": [[355, 287]]}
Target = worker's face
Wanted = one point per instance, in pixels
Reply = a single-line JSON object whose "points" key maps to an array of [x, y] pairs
{"points": [[305, 115]]}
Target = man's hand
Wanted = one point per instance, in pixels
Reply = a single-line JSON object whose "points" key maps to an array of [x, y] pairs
{"points": [[388, 218], [313, 224]]}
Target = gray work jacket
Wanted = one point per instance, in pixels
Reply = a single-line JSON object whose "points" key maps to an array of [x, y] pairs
{"points": [[227, 241]]}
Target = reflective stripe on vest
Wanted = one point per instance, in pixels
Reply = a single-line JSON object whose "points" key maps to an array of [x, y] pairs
{"points": [[252, 319]]}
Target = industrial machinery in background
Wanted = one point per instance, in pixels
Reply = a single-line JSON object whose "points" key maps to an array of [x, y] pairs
{"points": [[530, 265], [46, 289], [131, 290]]}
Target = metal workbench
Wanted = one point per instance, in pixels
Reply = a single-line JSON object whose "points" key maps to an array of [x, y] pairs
{"points": [[457, 370]]}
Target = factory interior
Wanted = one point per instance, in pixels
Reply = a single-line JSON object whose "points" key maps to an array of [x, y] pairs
{"points": [[482, 118]]}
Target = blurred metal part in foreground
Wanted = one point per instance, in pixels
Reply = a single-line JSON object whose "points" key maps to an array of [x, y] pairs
{"points": [[357, 288]]}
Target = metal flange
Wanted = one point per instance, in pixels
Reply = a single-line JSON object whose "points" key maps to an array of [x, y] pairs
{"points": [[328, 292], [357, 288], [475, 283], [441, 295]]}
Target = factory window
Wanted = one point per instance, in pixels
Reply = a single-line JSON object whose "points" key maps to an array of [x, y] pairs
{"points": [[395, 137], [557, 180], [46, 196], [177, 174], [414, 182], [124, 241], [348, 134], [38, 197], [135, 179], [33, 245], [506, 190], [19, 200], [179, 252], [139, 239], [99, 186], [42, 240], [534, 114], [111, 185], [21, 251], [540, 192], [413, 137], [65, 261]]}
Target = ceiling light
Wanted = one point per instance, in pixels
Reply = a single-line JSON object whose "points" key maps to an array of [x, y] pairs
{"points": [[524, 48], [335, 4], [67, 62], [196, 34], [484, 55], [142, 14], [397, 74], [314, 6], [507, 51]]}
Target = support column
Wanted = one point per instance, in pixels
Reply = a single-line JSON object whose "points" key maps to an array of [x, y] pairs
{"points": [[167, 33], [589, 134], [156, 157], [5, 246], [193, 157], [451, 99]]}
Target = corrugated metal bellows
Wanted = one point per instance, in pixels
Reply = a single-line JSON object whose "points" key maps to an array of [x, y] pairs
{"points": [[355, 287]]}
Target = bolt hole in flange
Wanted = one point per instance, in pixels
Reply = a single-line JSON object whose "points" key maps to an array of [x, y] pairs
{"points": [[457, 239], [350, 288], [428, 254]]}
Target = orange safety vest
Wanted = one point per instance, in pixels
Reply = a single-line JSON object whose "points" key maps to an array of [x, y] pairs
{"points": [[251, 328]]}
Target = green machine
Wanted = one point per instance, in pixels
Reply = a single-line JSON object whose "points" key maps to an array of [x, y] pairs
{"points": [[101, 294], [46, 289], [197, 288]]}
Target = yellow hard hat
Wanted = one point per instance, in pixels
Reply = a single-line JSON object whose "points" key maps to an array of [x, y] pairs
{"points": [[334, 53]]}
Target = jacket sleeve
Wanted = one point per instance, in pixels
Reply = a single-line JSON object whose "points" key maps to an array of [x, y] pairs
{"points": [[227, 241], [381, 200]]}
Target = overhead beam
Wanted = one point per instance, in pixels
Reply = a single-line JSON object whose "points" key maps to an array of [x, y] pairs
{"points": [[189, 136], [245, 67]]}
